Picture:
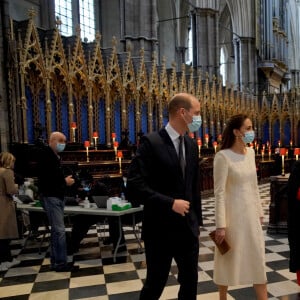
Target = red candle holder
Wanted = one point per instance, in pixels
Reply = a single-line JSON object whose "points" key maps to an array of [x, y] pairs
{"points": [[87, 145], [215, 144], [206, 140], [73, 128], [120, 156], [282, 152], [199, 143], [116, 145], [95, 138], [113, 136], [296, 152]]}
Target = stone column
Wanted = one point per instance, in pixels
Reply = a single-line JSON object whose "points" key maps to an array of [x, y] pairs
{"points": [[295, 80], [246, 64], [138, 28], [205, 40], [4, 101]]}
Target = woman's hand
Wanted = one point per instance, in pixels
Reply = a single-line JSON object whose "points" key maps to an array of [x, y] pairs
{"points": [[220, 235]]}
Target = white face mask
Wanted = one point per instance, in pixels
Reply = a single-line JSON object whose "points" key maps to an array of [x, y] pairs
{"points": [[248, 137], [60, 147], [195, 124]]}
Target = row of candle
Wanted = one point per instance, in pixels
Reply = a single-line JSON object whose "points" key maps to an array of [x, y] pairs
{"points": [[119, 154], [95, 133]]}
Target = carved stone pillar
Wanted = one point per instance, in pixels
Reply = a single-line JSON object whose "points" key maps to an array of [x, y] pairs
{"points": [[133, 22], [245, 68], [205, 40], [295, 80]]}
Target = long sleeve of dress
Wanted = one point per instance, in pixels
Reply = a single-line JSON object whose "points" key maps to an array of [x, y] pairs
{"points": [[220, 178]]}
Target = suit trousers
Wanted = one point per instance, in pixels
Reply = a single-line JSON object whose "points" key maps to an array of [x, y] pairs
{"points": [[184, 248]]}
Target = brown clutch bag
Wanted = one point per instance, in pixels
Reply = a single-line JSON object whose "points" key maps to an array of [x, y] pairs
{"points": [[223, 247]]}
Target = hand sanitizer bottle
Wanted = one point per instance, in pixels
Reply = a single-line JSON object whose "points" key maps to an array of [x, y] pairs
{"points": [[86, 202]]}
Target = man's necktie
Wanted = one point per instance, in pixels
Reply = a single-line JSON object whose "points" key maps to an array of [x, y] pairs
{"points": [[180, 155]]}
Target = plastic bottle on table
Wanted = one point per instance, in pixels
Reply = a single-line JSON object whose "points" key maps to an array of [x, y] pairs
{"points": [[86, 202]]}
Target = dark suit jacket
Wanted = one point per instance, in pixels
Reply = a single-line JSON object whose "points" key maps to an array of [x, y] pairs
{"points": [[51, 178], [155, 180], [294, 217]]}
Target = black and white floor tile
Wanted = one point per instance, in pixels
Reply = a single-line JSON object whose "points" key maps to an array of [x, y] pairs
{"points": [[99, 278]]}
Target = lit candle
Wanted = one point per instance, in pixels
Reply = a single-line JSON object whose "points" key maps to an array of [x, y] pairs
{"points": [[120, 156], [206, 139], [296, 152], [95, 137], [268, 144], [87, 145], [279, 143], [73, 127], [199, 143], [291, 143], [116, 145], [113, 136], [257, 147], [282, 152], [270, 152], [215, 144]]}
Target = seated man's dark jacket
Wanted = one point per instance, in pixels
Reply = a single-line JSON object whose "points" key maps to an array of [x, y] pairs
{"points": [[155, 180], [51, 178]]}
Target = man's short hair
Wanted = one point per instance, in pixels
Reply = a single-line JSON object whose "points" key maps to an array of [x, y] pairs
{"points": [[178, 101]]}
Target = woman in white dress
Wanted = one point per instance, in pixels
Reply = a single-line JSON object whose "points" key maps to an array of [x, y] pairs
{"points": [[239, 213]]}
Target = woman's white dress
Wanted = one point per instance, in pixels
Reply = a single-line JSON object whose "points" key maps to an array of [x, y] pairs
{"points": [[238, 209]]}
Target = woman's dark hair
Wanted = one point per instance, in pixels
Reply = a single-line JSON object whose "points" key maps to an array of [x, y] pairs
{"points": [[235, 122]]}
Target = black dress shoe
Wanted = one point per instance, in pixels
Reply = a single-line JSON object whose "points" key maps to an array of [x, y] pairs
{"points": [[66, 268], [107, 241]]}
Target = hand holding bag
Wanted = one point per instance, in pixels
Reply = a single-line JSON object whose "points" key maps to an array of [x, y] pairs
{"points": [[223, 247]]}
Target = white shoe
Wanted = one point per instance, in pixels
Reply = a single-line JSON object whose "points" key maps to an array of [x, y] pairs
{"points": [[3, 267], [12, 263]]}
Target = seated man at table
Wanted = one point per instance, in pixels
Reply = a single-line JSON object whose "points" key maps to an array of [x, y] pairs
{"points": [[82, 223], [81, 226]]}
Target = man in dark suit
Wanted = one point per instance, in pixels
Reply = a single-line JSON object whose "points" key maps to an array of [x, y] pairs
{"points": [[293, 189], [163, 176]]}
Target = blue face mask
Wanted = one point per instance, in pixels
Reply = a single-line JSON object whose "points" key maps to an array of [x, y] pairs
{"points": [[60, 147], [196, 124], [248, 137]]}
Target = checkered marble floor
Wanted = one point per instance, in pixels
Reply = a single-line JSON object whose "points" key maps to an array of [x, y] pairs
{"points": [[100, 278]]}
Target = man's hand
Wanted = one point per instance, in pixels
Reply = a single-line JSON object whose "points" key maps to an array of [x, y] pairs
{"points": [[69, 180], [181, 206]]}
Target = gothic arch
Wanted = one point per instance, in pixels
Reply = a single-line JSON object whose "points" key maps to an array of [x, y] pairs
{"points": [[225, 42], [243, 23]]}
